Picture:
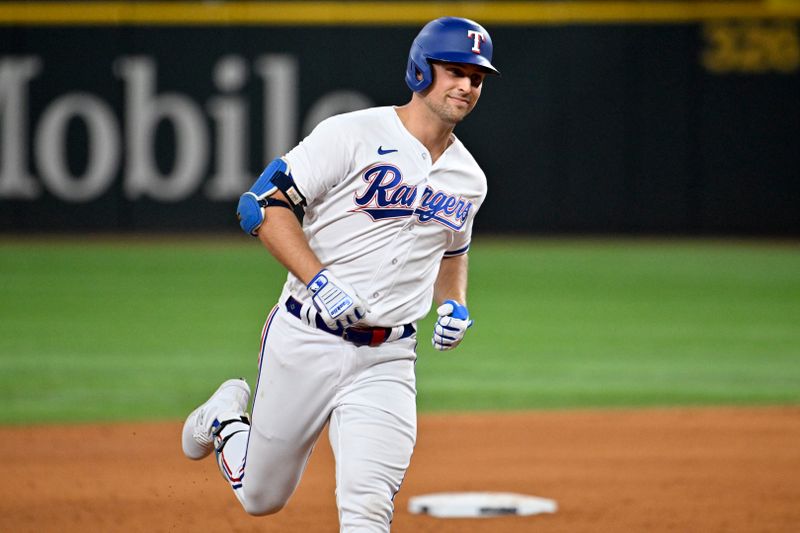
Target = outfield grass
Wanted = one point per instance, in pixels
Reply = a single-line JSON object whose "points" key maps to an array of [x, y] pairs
{"points": [[143, 330]]}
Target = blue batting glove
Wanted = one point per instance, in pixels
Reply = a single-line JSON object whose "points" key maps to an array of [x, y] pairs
{"points": [[451, 326]]}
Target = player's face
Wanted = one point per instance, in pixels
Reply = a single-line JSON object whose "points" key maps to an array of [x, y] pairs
{"points": [[455, 90]]}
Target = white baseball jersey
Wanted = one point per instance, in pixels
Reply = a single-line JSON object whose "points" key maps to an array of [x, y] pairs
{"points": [[379, 215]]}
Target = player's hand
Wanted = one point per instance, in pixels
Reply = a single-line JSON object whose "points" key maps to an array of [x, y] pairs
{"points": [[337, 303], [451, 326]]}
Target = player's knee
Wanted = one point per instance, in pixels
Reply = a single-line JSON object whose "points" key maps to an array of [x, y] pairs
{"points": [[262, 503], [262, 509]]}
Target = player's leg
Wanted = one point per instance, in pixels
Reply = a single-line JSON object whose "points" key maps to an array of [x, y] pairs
{"points": [[298, 373], [372, 433]]}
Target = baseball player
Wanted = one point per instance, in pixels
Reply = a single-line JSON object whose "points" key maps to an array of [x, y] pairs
{"points": [[387, 196]]}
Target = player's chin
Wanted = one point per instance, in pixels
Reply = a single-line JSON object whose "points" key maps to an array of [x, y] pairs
{"points": [[456, 114], [459, 115], [460, 105]]}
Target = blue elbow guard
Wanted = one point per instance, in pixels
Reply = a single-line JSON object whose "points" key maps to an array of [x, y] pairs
{"points": [[250, 213], [264, 186], [250, 210]]}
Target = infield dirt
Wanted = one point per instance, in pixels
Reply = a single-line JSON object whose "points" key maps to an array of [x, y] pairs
{"points": [[682, 470]]}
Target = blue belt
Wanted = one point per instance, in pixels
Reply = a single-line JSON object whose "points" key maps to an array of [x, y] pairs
{"points": [[358, 335]]}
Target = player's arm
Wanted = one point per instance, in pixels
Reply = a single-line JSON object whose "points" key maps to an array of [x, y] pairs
{"points": [[270, 211], [336, 302], [450, 294], [283, 236], [451, 283]]}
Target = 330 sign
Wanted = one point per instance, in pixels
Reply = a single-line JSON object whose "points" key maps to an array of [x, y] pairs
{"points": [[751, 47]]}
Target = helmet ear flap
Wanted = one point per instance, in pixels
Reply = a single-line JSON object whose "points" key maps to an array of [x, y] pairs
{"points": [[418, 73]]}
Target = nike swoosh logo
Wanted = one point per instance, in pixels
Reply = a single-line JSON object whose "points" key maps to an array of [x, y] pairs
{"points": [[381, 151]]}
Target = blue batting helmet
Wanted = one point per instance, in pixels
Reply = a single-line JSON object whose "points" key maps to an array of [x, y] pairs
{"points": [[449, 39]]}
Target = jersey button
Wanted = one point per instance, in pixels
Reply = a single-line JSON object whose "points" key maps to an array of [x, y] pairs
{"points": [[394, 261], [375, 294], [424, 156]]}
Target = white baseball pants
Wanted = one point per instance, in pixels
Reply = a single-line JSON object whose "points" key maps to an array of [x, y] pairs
{"points": [[307, 378]]}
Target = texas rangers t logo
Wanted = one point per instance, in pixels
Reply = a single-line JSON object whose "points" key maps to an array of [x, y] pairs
{"points": [[477, 38]]}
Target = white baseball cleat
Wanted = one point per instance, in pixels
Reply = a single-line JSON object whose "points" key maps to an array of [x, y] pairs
{"points": [[229, 402]]}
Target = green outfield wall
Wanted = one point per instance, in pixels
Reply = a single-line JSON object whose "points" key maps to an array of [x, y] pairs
{"points": [[625, 117]]}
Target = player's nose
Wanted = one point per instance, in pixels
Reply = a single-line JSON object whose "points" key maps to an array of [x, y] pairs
{"points": [[464, 84]]}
